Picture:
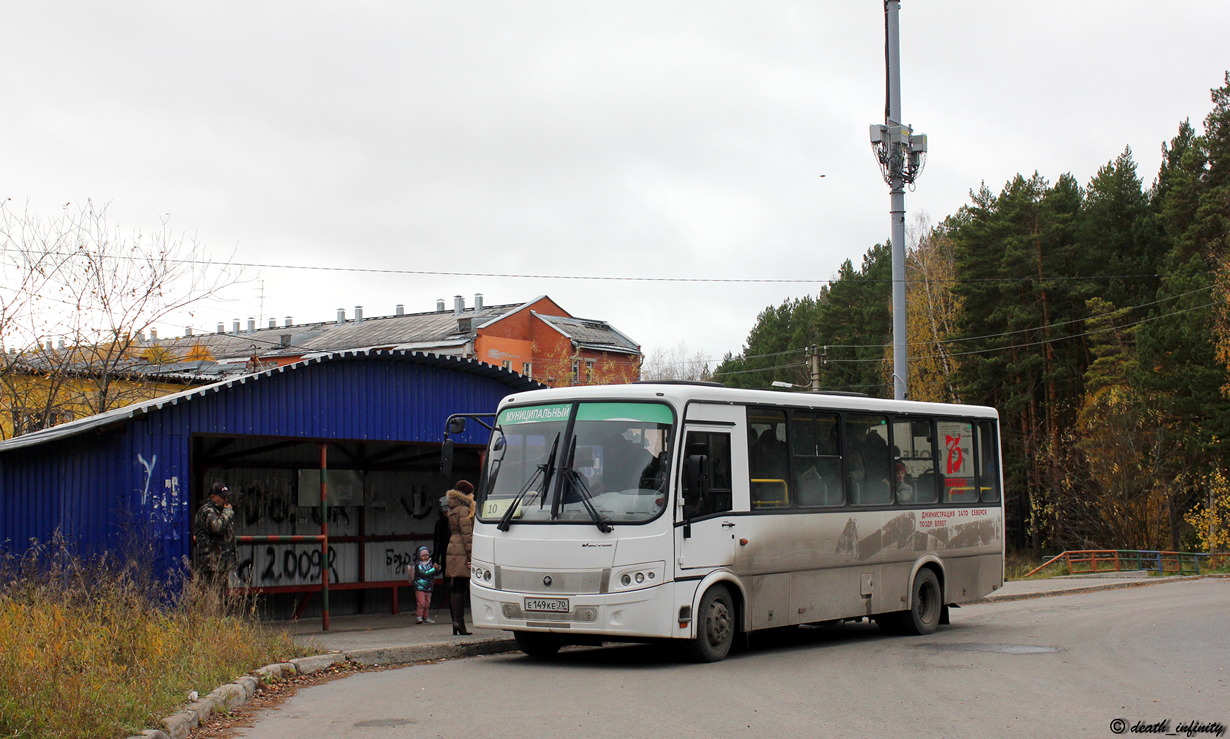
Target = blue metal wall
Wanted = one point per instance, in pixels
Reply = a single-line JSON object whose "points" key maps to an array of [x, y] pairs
{"points": [[115, 479]]}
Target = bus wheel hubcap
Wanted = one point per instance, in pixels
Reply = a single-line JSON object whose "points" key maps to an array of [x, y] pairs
{"points": [[718, 623]]}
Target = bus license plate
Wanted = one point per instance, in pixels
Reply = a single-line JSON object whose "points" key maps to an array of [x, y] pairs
{"points": [[549, 605]]}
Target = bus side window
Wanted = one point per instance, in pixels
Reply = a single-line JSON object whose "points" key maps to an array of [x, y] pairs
{"points": [[868, 459], [768, 458], [715, 447], [988, 458], [957, 461], [915, 460], [817, 464]]}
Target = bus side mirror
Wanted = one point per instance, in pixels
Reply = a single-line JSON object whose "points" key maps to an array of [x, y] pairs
{"points": [[456, 425], [446, 458], [695, 479]]}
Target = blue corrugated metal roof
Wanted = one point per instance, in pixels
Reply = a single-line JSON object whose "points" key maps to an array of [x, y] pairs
{"points": [[82, 425]]}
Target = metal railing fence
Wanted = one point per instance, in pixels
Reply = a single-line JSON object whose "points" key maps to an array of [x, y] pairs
{"points": [[1092, 561]]}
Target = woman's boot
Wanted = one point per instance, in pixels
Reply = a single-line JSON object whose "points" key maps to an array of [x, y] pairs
{"points": [[457, 601]]}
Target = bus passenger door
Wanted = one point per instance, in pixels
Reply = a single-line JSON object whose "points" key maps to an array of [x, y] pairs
{"points": [[705, 532]]}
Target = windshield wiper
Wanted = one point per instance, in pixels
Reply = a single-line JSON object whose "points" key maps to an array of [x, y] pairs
{"points": [[577, 481], [497, 462], [546, 471]]}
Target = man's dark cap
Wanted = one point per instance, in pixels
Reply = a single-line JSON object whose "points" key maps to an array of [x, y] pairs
{"points": [[220, 489]]}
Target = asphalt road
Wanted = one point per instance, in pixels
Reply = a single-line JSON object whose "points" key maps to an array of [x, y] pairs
{"points": [[1071, 665]]}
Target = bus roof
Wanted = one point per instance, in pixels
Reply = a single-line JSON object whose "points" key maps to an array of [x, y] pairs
{"points": [[679, 394]]}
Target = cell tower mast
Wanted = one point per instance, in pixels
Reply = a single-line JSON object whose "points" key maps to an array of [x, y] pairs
{"points": [[901, 154]]}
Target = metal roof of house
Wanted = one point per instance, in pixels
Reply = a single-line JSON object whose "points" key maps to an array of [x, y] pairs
{"points": [[119, 415], [588, 333], [437, 331], [421, 330]]}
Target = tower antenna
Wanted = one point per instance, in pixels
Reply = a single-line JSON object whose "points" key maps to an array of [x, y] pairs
{"points": [[901, 154]]}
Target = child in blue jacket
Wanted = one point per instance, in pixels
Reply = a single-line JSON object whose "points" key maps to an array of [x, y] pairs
{"points": [[423, 572]]}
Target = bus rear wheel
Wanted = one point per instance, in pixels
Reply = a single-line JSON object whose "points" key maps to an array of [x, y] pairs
{"points": [[715, 626], [537, 645], [927, 607]]}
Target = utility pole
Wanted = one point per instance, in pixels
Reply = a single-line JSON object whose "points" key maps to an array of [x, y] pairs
{"points": [[901, 155]]}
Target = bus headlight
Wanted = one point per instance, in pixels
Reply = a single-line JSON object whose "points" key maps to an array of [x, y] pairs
{"points": [[634, 577], [482, 573]]}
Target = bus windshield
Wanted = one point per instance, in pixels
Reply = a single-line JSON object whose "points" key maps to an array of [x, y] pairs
{"points": [[604, 463]]}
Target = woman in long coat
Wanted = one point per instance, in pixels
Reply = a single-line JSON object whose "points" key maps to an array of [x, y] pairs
{"points": [[460, 545]]}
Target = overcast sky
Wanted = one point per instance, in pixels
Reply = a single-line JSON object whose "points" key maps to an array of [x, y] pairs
{"points": [[565, 139]]}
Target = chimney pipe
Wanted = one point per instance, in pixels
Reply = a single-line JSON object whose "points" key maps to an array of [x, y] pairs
{"points": [[358, 313], [439, 305], [187, 331], [153, 334], [221, 327], [400, 310], [478, 302], [341, 316], [140, 336], [235, 324], [251, 324], [288, 323], [273, 323], [459, 304]]}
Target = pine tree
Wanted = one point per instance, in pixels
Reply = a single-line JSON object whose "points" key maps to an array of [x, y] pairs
{"points": [[848, 323], [1116, 224], [1016, 255], [1178, 347]]}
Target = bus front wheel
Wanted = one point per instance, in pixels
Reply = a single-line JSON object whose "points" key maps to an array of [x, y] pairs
{"points": [[715, 626]]}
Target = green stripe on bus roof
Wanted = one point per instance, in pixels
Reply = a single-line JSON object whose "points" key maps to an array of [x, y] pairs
{"points": [[535, 414], [643, 412]]}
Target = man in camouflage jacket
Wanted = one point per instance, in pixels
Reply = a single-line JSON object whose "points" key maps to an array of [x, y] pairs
{"points": [[214, 558]]}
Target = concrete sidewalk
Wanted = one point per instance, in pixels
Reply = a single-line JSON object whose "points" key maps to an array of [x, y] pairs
{"points": [[1072, 584], [383, 639]]}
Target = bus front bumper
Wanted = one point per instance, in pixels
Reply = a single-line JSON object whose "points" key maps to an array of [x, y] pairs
{"points": [[638, 614]]}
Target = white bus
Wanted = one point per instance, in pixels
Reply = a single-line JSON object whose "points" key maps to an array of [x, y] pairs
{"points": [[693, 512]]}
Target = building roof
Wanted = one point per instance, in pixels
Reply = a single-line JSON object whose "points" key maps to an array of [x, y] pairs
{"points": [[119, 415], [446, 331], [588, 333]]}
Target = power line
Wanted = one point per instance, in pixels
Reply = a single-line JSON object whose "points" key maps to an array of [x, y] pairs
{"points": [[605, 278], [832, 360], [1041, 342], [371, 270], [1065, 323], [1078, 336], [1032, 329], [761, 369]]}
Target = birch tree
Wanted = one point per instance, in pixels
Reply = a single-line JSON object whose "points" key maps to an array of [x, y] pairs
{"points": [[78, 294]]}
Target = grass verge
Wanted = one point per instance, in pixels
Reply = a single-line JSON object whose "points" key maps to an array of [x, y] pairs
{"points": [[1017, 565], [98, 649]]}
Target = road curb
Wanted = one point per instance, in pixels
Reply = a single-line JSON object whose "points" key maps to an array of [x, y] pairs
{"points": [[424, 652], [235, 694]]}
